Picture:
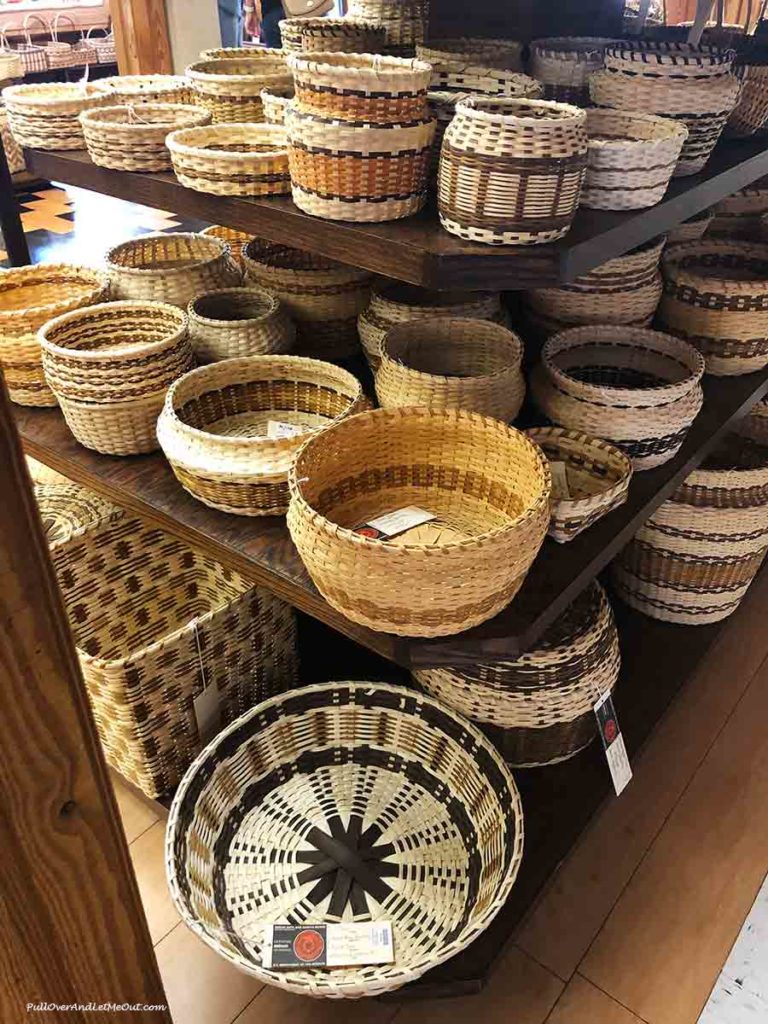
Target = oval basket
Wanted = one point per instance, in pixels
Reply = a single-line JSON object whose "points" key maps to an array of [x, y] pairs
{"points": [[404, 21], [231, 88], [486, 484], [466, 76], [452, 364], [376, 752], [124, 89], [215, 426], [232, 159], [538, 709], [45, 115], [131, 138], [235, 322], [342, 35], [505, 54], [275, 101], [235, 241], [563, 66]]}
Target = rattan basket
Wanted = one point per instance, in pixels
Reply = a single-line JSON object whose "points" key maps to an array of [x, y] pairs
{"points": [[323, 298], [404, 21], [343, 35], [14, 154], [452, 364], [235, 240], [45, 115], [171, 267], [651, 58], [505, 54], [716, 297], [132, 138], [234, 322], [269, 56], [486, 484], [563, 66], [230, 430], [275, 101], [290, 35], [384, 793], [465, 74], [232, 159], [638, 389], [22, 366], [738, 216], [231, 88], [691, 229], [133, 89], [511, 171], [750, 115], [66, 508], [592, 480], [10, 60], [155, 623], [537, 709], [357, 172]]}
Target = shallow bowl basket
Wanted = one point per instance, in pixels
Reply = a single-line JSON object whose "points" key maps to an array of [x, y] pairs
{"points": [[232, 159], [132, 138]]}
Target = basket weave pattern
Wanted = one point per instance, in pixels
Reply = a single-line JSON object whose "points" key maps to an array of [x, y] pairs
{"points": [[404, 22], [130, 138], [342, 35], [66, 508], [563, 66], [138, 89], [231, 159], [45, 115], [230, 88], [234, 322]]}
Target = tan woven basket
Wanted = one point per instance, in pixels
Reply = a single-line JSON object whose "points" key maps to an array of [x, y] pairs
{"points": [[274, 102], [66, 508], [563, 66], [358, 172], [342, 35], [504, 54], [452, 364], [738, 216], [170, 267], [45, 115], [269, 56], [155, 623], [755, 424], [231, 88], [511, 171], [691, 229], [682, 61], [215, 426], [235, 240], [750, 115], [466, 74], [404, 21], [486, 484], [638, 389], [591, 481], [22, 366], [14, 154], [121, 90], [716, 297], [324, 298], [361, 87], [537, 709], [290, 35], [235, 322], [132, 138], [232, 159]]}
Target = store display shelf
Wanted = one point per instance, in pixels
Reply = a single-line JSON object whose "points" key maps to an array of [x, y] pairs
{"points": [[417, 250]]}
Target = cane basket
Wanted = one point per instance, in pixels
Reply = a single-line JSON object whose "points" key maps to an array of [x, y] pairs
{"points": [[122, 90], [67, 508], [738, 215], [234, 322], [231, 88], [130, 138], [33, 56], [231, 159], [317, 777], [404, 21], [504, 54], [291, 35], [10, 61], [14, 154], [45, 115], [563, 66], [463, 74], [235, 240], [343, 35], [275, 101], [665, 60]]}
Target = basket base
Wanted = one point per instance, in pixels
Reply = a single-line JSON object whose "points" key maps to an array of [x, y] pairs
{"points": [[490, 237]]}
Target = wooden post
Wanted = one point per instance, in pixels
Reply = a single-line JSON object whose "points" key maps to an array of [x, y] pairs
{"points": [[141, 37], [71, 918]]}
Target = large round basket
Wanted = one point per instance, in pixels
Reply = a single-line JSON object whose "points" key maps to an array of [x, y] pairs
{"points": [[234, 322], [330, 787], [505, 54], [343, 35], [232, 159], [716, 297], [638, 389], [132, 89], [45, 115], [486, 485], [452, 364], [404, 21], [563, 66], [66, 508], [231, 88], [538, 709], [130, 138], [230, 430]]}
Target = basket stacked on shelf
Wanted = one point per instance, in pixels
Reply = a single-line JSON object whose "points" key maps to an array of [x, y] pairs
{"points": [[32, 55], [66, 508], [563, 66], [46, 115], [231, 159], [275, 100], [130, 138], [122, 90], [404, 21], [750, 115], [501, 54], [333, 35], [234, 239], [738, 216], [231, 87], [233, 322]]}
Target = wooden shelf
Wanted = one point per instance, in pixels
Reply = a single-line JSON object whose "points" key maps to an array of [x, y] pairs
{"points": [[417, 250]]}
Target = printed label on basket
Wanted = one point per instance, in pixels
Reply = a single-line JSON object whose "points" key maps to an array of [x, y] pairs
{"points": [[560, 488], [277, 430], [208, 713], [613, 743], [328, 945], [393, 523]]}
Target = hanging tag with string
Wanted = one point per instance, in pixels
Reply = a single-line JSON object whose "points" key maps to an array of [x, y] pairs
{"points": [[207, 704], [613, 742]]}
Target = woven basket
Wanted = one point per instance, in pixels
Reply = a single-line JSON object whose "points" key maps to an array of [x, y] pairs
{"points": [[716, 298], [170, 268], [322, 297], [342, 35], [232, 159], [345, 770], [485, 482], [10, 61], [357, 172], [235, 322], [650, 58], [755, 424], [14, 154], [155, 623], [563, 66], [132, 89], [235, 240], [272, 55], [66, 508], [231, 89], [33, 56], [274, 102], [750, 115], [22, 366], [361, 87], [694, 559], [58, 53], [738, 216], [106, 50], [399, 303], [691, 229], [215, 426], [504, 54], [511, 170], [45, 115], [538, 708], [291, 35], [452, 364], [132, 138], [597, 476], [465, 73], [404, 21], [638, 389]]}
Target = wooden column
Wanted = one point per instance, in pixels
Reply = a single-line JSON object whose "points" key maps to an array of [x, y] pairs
{"points": [[71, 918], [141, 37]]}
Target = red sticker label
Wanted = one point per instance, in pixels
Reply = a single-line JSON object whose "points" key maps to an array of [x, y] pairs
{"points": [[308, 945], [610, 730]]}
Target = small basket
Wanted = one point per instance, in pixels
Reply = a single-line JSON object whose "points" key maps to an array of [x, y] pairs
{"points": [[10, 61], [235, 240], [275, 101], [105, 47], [340, 35], [67, 508], [155, 624], [132, 138], [123, 90], [538, 708], [215, 429], [593, 479], [404, 22], [690, 230], [60, 54], [171, 268], [235, 322], [322, 297], [232, 159], [563, 66], [504, 54], [231, 88], [291, 35], [638, 389], [85, 50], [452, 364], [485, 483], [46, 115], [33, 56], [345, 770]]}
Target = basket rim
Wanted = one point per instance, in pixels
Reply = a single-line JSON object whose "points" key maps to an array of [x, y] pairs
{"points": [[196, 71], [678, 250], [570, 47], [503, 337], [185, 111], [345, 273], [595, 446], [563, 112], [364, 64], [43, 270], [88, 355], [210, 240], [365, 24], [271, 301], [667, 129], [292, 112], [182, 140]]}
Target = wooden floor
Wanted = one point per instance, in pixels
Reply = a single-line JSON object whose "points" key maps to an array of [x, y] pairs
{"points": [[638, 922]]}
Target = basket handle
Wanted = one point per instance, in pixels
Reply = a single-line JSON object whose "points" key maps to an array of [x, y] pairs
{"points": [[95, 28], [55, 25], [25, 27]]}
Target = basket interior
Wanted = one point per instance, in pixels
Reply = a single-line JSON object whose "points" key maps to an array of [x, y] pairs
{"points": [[112, 329], [166, 252], [231, 66], [620, 366], [590, 470], [411, 295], [519, 108], [46, 289], [447, 349], [231, 306]]}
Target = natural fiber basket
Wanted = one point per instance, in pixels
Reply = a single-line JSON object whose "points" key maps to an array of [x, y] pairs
{"points": [[691, 229], [538, 708], [275, 101], [45, 115], [10, 60], [750, 115], [133, 89], [232, 159], [505, 54], [215, 426], [14, 154], [155, 624], [716, 298], [235, 240], [115, 428], [638, 389], [563, 66], [291, 35], [66, 508], [33, 56], [268, 56], [22, 366], [738, 216], [132, 138], [384, 793], [651, 58], [404, 21], [322, 297], [399, 303], [234, 322], [343, 35], [357, 172], [231, 88], [361, 87], [592, 480], [456, 73], [511, 170], [452, 364], [170, 267], [755, 424], [486, 484]]}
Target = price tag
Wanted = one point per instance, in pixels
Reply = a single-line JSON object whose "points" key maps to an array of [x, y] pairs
{"points": [[289, 946], [208, 713], [392, 523], [560, 488], [613, 743], [277, 430]]}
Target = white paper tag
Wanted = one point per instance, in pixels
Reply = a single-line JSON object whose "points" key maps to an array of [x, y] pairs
{"points": [[613, 743], [350, 944], [208, 713], [277, 430], [560, 488], [392, 523]]}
